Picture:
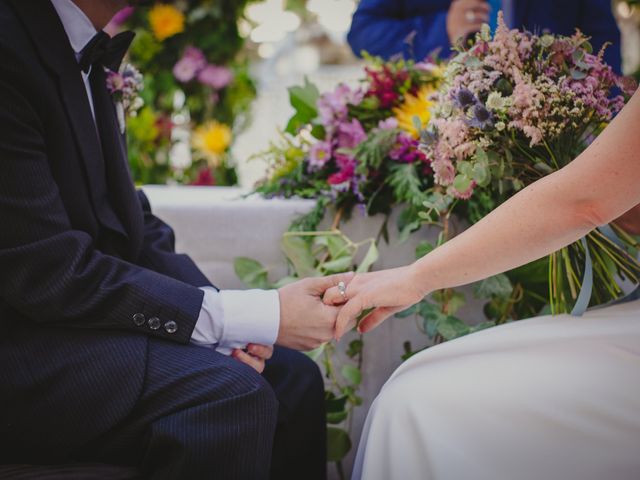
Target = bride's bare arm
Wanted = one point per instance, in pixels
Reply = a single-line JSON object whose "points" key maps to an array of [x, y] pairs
{"points": [[594, 189]]}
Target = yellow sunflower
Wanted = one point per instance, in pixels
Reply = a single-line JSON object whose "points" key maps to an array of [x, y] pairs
{"points": [[166, 21], [212, 139], [414, 106]]}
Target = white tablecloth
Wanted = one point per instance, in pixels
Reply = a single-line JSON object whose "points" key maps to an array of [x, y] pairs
{"points": [[216, 225]]}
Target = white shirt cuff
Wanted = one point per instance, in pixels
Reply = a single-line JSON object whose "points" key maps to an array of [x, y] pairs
{"points": [[251, 316], [234, 318]]}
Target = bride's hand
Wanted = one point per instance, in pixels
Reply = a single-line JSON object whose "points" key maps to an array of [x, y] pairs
{"points": [[386, 292]]}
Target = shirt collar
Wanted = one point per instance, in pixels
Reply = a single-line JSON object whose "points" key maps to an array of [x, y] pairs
{"points": [[79, 28]]}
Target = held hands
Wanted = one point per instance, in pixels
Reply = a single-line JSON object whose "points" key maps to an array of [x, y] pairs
{"points": [[313, 311], [386, 292]]}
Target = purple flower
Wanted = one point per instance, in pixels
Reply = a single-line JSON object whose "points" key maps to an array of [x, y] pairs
{"points": [[333, 105], [319, 155], [350, 134], [215, 77], [464, 98], [191, 63], [115, 82], [406, 150], [480, 117]]}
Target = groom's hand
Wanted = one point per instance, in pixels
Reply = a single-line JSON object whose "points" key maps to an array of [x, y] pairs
{"points": [[306, 322]]}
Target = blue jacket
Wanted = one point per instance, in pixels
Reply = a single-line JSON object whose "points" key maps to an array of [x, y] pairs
{"points": [[380, 27]]}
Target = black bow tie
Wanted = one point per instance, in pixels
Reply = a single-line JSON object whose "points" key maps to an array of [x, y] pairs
{"points": [[106, 51]]}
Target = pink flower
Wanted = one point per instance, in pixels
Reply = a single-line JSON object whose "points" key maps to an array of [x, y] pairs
{"points": [[344, 176], [390, 123], [444, 172], [215, 77], [190, 65], [334, 105], [319, 155], [350, 134]]}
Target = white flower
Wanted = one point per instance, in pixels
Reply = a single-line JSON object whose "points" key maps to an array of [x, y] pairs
{"points": [[485, 32], [495, 101], [500, 126]]}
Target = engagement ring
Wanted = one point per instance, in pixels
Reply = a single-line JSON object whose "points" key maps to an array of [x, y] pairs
{"points": [[342, 287]]}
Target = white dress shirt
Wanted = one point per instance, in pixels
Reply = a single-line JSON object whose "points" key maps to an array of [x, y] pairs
{"points": [[228, 319]]}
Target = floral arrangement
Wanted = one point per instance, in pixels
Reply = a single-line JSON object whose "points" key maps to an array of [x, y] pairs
{"points": [[196, 93], [357, 146], [513, 108]]}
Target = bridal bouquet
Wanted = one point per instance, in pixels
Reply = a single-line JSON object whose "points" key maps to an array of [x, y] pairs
{"points": [[516, 107], [357, 145]]}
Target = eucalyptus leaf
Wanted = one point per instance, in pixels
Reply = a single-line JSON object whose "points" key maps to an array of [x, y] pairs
{"points": [[462, 183], [338, 444], [369, 259], [578, 74]]}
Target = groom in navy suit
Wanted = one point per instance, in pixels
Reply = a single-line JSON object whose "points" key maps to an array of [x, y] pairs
{"points": [[114, 348], [415, 28]]}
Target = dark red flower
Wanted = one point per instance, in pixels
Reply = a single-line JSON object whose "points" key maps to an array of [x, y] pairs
{"points": [[205, 178]]}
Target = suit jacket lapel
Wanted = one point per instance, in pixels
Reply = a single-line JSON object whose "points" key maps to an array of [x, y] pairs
{"points": [[55, 52]]}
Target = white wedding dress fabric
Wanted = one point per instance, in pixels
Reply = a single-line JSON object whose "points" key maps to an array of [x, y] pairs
{"points": [[554, 397]]}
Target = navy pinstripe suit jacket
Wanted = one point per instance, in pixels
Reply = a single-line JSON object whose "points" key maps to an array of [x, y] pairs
{"points": [[80, 251]]}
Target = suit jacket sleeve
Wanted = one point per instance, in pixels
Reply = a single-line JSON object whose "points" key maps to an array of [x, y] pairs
{"points": [[52, 273], [382, 28], [158, 250]]}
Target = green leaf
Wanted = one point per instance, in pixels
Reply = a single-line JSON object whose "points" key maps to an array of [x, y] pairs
{"points": [[338, 246], [482, 326], [338, 444], [408, 312], [462, 183], [406, 184], [284, 282], [423, 249], [452, 327], [338, 265], [351, 374], [304, 100], [315, 353], [455, 302], [335, 404], [298, 252], [251, 272], [355, 348], [498, 286], [369, 259], [578, 74], [337, 417], [543, 167]]}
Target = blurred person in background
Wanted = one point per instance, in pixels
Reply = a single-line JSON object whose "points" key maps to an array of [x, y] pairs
{"points": [[415, 28]]}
